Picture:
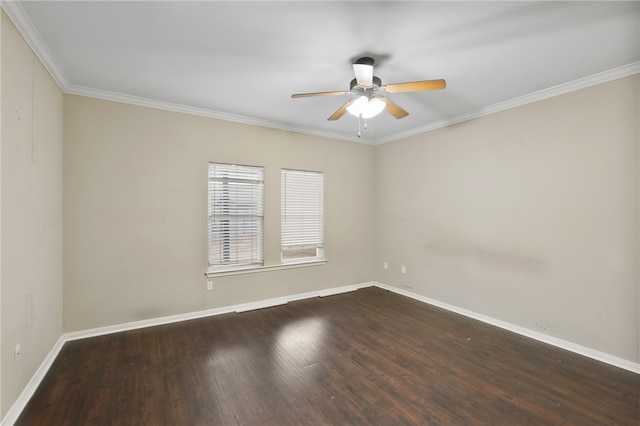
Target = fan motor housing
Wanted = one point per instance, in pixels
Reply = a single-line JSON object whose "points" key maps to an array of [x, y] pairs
{"points": [[376, 82]]}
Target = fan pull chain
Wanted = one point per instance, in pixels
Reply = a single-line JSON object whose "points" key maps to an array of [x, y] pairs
{"points": [[360, 125]]}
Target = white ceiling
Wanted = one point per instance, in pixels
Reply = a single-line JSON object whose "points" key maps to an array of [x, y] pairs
{"points": [[242, 60]]}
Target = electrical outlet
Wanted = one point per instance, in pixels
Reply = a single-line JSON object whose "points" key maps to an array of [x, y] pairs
{"points": [[17, 353], [386, 265], [403, 269], [209, 285]]}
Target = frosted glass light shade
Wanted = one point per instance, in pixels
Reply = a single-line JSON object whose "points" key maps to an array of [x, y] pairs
{"points": [[359, 106], [375, 107], [365, 107]]}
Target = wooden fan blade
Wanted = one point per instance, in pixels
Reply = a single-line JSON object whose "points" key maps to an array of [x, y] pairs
{"points": [[394, 109], [364, 74], [340, 112], [306, 95], [414, 86]]}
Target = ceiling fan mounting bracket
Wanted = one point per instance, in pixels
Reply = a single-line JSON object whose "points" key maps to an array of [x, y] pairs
{"points": [[365, 60]]}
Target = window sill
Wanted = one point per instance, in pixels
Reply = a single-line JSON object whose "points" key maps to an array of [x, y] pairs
{"points": [[252, 270]]}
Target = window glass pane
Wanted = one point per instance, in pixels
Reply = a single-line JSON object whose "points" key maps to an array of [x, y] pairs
{"points": [[302, 210], [236, 215]]}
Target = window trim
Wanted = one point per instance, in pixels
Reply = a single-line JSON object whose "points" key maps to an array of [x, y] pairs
{"points": [[250, 268], [253, 269], [320, 255], [236, 266]]}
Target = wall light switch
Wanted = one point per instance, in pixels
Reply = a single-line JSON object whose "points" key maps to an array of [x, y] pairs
{"points": [[403, 269]]}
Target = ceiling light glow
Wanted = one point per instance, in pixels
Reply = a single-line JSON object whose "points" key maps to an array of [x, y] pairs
{"points": [[366, 107]]}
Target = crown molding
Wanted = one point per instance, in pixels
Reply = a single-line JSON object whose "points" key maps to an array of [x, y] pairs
{"points": [[23, 23], [202, 112], [27, 29], [19, 17], [561, 89]]}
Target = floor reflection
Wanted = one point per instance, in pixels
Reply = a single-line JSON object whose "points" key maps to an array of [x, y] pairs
{"points": [[298, 352]]}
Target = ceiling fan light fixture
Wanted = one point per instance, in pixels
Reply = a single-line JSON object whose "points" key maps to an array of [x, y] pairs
{"points": [[376, 106], [365, 107], [368, 89]]}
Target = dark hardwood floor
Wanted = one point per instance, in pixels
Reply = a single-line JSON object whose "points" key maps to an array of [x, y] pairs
{"points": [[367, 357]]}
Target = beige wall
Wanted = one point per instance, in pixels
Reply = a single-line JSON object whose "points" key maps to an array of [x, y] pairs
{"points": [[31, 212], [2, 411], [135, 202], [529, 216]]}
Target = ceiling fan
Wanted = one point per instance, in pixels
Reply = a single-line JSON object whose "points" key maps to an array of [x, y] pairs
{"points": [[368, 89]]}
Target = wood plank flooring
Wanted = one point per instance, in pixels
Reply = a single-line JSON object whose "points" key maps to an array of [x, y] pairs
{"points": [[369, 357]]}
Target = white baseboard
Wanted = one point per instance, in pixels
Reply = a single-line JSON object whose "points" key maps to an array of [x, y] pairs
{"points": [[15, 410], [564, 344], [573, 347], [243, 307], [17, 407], [27, 393], [268, 303]]}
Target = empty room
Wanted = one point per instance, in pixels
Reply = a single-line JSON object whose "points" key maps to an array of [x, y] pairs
{"points": [[319, 213]]}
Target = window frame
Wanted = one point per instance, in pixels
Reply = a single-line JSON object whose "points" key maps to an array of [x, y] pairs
{"points": [[240, 220], [319, 256]]}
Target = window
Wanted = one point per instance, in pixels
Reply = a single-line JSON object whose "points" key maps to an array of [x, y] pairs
{"points": [[302, 230], [236, 216]]}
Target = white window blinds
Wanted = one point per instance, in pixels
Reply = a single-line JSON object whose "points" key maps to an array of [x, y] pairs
{"points": [[302, 214], [236, 215]]}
